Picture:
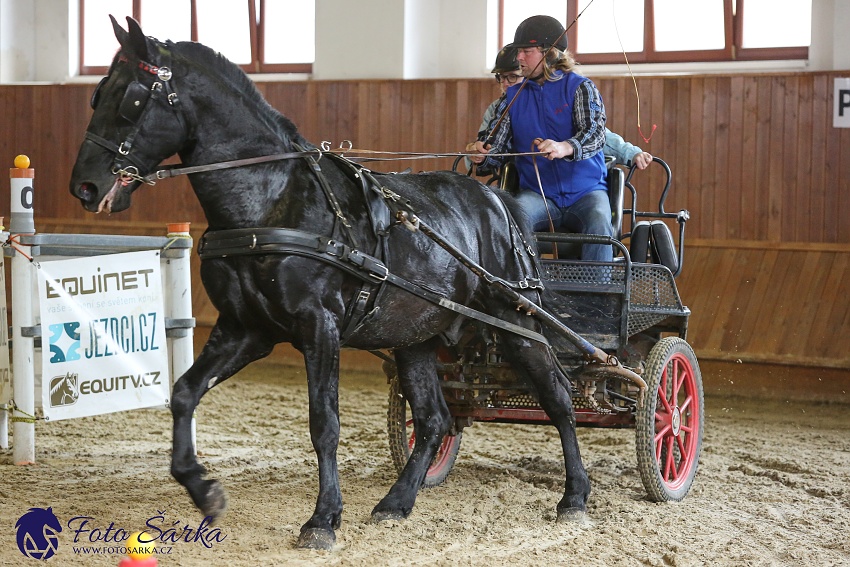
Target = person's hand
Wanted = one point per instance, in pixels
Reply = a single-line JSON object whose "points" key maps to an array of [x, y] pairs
{"points": [[477, 146], [553, 149], [642, 160]]}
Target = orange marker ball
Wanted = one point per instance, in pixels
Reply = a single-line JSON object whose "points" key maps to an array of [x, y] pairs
{"points": [[22, 162]]}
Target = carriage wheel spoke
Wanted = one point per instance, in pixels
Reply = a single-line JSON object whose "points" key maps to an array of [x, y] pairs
{"points": [[662, 396], [659, 441], [681, 444], [408, 425], [676, 369], [670, 472]]}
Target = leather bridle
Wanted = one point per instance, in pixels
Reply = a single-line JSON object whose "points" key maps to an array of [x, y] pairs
{"points": [[137, 101]]}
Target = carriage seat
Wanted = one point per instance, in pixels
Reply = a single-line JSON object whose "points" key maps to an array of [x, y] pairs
{"points": [[652, 241], [616, 191]]}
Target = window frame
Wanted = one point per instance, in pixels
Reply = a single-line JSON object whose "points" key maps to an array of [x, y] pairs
{"points": [[256, 28], [732, 50]]}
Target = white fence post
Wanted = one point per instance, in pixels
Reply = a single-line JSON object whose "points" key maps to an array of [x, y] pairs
{"points": [[178, 279], [23, 364], [4, 410]]}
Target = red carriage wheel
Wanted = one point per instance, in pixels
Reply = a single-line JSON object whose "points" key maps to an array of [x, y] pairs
{"points": [[670, 421], [402, 439]]}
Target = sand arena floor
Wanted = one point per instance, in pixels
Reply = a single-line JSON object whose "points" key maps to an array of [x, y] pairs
{"points": [[773, 486]]}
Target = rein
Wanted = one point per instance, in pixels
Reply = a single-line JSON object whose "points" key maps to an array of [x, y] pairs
{"points": [[160, 174], [317, 153]]}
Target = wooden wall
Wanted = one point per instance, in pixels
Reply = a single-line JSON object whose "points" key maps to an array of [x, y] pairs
{"points": [[754, 157]]}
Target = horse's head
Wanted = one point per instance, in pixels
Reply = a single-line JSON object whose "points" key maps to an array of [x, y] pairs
{"points": [[138, 121]]}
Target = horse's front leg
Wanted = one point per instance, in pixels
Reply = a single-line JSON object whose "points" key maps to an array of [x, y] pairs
{"points": [[225, 353], [321, 357], [417, 372]]}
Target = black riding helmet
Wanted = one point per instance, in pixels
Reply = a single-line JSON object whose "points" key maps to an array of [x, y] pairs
{"points": [[506, 60], [540, 31]]}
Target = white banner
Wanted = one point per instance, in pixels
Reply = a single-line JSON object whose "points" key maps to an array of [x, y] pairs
{"points": [[5, 373], [103, 335]]}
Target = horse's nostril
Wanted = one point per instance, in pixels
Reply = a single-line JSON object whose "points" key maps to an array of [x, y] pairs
{"points": [[87, 191]]}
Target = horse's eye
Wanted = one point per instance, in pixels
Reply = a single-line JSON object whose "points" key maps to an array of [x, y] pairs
{"points": [[95, 96]]}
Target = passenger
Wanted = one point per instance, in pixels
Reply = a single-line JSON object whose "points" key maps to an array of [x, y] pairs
{"points": [[560, 114], [623, 152], [507, 73]]}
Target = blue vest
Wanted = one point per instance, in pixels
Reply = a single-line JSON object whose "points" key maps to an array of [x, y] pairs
{"points": [[546, 111]]}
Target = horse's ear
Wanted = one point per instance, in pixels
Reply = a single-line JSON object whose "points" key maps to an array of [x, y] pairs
{"points": [[120, 34], [133, 41], [137, 39]]}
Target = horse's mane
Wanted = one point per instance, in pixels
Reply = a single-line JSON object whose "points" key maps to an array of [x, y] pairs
{"points": [[209, 59]]}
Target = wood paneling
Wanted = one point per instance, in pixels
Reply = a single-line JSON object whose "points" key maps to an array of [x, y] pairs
{"points": [[753, 301], [755, 160]]}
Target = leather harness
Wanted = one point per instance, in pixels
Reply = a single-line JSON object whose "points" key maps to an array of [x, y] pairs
{"points": [[382, 204]]}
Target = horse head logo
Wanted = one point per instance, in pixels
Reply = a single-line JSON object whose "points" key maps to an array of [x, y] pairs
{"points": [[37, 533], [64, 390]]}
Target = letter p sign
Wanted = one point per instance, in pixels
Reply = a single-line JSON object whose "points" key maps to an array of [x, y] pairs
{"points": [[841, 113]]}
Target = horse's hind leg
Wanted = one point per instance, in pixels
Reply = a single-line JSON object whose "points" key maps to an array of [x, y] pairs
{"points": [[223, 356], [417, 372], [535, 362]]}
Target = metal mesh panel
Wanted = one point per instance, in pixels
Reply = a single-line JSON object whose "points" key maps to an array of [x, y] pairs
{"points": [[654, 297], [511, 400], [584, 273], [653, 294]]}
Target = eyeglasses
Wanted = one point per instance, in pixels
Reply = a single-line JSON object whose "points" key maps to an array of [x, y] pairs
{"points": [[509, 79]]}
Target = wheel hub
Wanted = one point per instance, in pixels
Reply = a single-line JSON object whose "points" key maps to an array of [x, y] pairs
{"points": [[676, 421]]}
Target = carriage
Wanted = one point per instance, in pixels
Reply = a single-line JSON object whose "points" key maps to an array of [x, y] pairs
{"points": [[308, 247], [631, 309]]}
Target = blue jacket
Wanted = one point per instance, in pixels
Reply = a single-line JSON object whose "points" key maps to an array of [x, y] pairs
{"points": [[546, 111]]}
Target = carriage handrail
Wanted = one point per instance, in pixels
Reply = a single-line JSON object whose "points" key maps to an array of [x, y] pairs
{"points": [[667, 184], [681, 217]]}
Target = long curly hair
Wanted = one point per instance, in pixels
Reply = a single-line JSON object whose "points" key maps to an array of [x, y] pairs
{"points": [[557, 60]]}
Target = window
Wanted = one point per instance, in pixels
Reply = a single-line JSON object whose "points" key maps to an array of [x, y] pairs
{"points": [[651, 31], [278, 36]]}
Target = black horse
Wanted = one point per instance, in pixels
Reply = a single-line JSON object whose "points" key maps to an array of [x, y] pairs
{"points": [[295, 252]]}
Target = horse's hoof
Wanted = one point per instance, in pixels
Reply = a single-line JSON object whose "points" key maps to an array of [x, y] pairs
{"points": [[574, 516], [383, 515], [316, 538], [216, 501]]}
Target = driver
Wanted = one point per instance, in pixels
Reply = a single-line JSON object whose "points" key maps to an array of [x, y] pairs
{"points": [[508, 73], [561, 114]]}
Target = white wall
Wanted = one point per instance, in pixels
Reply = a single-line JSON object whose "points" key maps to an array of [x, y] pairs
{"points": [[359, 39], [410, 39], [446, 38], [55, 55], [407, 39], [17, 40]]}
